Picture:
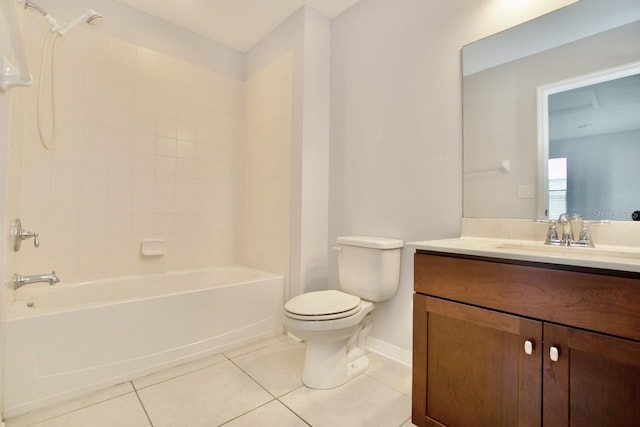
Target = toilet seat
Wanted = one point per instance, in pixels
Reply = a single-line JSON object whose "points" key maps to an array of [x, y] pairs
{"points": [[322, 305]]}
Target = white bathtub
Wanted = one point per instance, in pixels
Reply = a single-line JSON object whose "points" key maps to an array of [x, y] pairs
{"points": [[66, 340]]}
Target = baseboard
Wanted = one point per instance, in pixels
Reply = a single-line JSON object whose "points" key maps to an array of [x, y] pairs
{"points": [[390, 351]]}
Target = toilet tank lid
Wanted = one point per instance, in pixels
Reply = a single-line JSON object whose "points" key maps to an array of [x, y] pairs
{"points": [[370, 242]]}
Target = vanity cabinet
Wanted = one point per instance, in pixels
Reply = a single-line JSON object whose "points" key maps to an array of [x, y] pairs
{"points": [[486, 331]]}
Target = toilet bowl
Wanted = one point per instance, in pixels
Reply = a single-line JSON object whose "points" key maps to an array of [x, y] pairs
{"points": [[335, 342], [336, 324]]}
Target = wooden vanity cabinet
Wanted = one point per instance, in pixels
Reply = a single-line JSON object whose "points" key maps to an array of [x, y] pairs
{"points": [[595, 382], [483, 334]]}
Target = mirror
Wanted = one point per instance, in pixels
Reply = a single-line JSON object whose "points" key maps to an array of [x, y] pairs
{"points": [[589, 142], [505, 168]]}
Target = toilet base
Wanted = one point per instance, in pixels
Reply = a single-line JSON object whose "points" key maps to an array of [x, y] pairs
{"points": [[328, 364], [331, 363]]}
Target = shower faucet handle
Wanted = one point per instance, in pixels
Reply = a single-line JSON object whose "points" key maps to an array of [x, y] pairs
{"points": [[19, 234], [36, 240]]}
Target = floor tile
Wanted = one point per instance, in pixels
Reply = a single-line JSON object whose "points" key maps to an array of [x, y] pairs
{"points": [[210, 396], [278, 367], [240, 392], [273, 414], [391, 373], [177, 371], [361, 402], [31, 418], [124, 410]]}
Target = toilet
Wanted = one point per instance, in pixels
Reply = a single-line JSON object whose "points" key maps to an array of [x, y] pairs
{"points": [[335, 324]]}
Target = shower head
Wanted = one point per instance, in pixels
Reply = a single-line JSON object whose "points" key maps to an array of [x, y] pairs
{"points": [[94, 19], [91, 17]]}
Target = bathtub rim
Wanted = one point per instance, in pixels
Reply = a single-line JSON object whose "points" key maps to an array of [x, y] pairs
{"points": [[19, 309]]}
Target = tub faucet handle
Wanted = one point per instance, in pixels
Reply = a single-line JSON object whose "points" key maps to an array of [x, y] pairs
{"points": [[19, 234], [36, 240]]}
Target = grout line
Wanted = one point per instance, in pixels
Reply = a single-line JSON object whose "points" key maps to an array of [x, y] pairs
{"points": [[294, 412], [177, 376], [254, 349], [408, 420], [253, 379], [248, 412], [142, 404], [390, 387]]}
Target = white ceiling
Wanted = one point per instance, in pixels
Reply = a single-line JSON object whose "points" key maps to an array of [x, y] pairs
{"points": [[235, 23], [599, 109]]}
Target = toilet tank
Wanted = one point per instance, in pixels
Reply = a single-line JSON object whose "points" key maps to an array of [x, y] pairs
{"points": [[369, 267]]}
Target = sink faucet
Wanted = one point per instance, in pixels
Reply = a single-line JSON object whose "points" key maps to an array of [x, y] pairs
{"points": [[564, 236], [19, 281], [564, 220]]}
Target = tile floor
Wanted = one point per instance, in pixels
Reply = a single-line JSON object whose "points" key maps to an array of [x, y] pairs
{"points": [[256, 385]]}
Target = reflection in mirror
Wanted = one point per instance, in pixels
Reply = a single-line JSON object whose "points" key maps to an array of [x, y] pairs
{"points": [[590, 136], [501, 113]]}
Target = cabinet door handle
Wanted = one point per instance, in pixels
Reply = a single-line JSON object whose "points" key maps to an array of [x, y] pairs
{"points": [[554, 354], [528, 347]]}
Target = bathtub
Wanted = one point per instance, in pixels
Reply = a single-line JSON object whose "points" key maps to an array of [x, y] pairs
{"points": [[67, 340]]}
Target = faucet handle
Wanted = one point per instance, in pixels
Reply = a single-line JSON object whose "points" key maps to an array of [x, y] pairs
{"points": [[25, 234], [552, 232], [585, 234], [19, 234]]}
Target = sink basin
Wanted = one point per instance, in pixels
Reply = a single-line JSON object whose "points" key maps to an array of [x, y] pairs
{"points": [[569, 251]]}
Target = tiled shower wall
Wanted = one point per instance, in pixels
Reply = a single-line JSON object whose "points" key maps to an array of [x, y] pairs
{"points": [[266, 213], [146, 146]]}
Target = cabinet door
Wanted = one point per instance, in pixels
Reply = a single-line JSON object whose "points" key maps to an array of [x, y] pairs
{"points": [[471, 367], [594, 382]]}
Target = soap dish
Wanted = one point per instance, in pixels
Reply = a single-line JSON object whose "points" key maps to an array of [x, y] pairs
{"points": [[153, 247]]}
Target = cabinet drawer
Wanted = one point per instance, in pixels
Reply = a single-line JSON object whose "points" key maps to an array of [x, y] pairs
{"points": [[591, 299]]}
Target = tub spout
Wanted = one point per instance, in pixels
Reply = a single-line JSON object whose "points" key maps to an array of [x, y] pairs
{"points": [[19, 280]]}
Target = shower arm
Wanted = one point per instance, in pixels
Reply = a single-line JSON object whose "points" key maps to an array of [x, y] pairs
{"points": [[55, 27], [91, 17], [27, 4]]}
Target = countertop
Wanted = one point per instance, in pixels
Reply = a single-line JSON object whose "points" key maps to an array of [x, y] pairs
{"points": [[618, 258]]}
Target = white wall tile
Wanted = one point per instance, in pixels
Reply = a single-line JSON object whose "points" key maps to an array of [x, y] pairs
{"points": [[143, 183], [266, 179], [166, 146], [144, 143], [63, 201], [186, 149], [139, 152]]}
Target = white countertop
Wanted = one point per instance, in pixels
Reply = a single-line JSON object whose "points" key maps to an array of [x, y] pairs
{"points": [[620, 258]]}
